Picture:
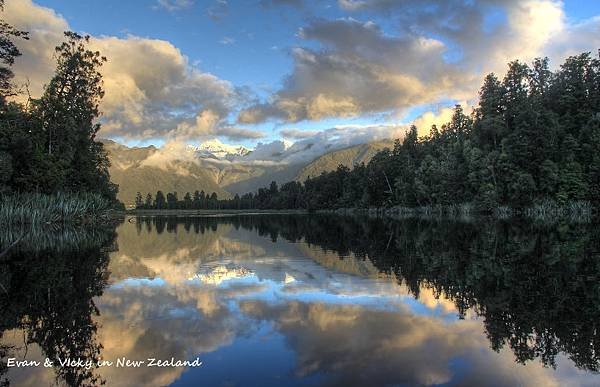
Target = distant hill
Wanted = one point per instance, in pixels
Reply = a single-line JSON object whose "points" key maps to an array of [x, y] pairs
{"points": [[280, 174], [126, 171], [216, 168], [349, 157]]}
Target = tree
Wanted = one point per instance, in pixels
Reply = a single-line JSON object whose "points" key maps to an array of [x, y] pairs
{"points": [[196, 200], [148, 202], [68, 110], [202, 200], [8, 53], [172, 201], [237, 202], [213, 201], [6, 170], [160, 201], [590, 157], [139, 202], [187, 201]]}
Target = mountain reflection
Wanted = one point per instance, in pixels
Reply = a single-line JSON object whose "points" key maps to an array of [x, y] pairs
{"points": [[312, 300]]}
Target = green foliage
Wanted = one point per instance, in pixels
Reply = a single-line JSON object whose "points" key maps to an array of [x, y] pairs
{"points": [[48, 145], [8, 53], [37, 209], [533, 139]]}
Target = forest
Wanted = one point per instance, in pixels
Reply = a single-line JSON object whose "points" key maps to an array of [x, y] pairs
{"points": [[534, 138]]}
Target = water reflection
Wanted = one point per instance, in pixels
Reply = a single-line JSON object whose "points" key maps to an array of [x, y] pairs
{"points": [[49, 282], [313, 300]]}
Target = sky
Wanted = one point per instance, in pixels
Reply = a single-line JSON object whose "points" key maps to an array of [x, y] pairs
{"points": [[263, 71]]}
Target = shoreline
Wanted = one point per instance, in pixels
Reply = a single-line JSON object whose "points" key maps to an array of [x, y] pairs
{"points": [[180, 212], [446, 212]]}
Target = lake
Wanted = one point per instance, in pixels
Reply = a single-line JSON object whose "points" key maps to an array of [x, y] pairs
{"points": [[294, 300]]}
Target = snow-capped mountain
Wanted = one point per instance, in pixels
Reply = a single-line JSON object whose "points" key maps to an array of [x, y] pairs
{"points": [[216, 149], [225, 169], [222, 273]]}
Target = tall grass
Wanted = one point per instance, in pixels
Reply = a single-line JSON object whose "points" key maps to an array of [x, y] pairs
{"points": [[34, 209]]}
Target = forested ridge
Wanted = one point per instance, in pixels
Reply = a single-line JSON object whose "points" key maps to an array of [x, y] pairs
{"points": [[534, 138]]}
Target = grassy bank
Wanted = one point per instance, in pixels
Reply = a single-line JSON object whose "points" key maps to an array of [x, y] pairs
{"points": [[33, 209]]}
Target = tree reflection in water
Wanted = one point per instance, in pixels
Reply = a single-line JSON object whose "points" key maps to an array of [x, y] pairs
{"points": [[535, 286], [50, 279]]}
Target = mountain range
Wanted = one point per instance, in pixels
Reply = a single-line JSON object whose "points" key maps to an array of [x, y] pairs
{"points": [[225, 169]]}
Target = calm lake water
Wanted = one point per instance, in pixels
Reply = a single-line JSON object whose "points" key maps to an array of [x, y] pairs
{"points": [[291, 300]]}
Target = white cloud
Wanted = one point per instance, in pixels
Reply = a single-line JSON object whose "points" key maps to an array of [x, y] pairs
{"points": [[152, 91], [358, 69], [166, 155], [361, 70], [297, 134], [308, 144], [227, 40], [438, 51], [45, 27], [174, 5]]}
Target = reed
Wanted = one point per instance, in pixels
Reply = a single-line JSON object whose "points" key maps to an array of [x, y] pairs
{"points": [[56, 237], [32, 209]]}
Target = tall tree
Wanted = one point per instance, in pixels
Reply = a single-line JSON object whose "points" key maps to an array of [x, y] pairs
{"points": [[187, 201], [68, 109], [148, 202], [159, 201], [139, 201], [8, 53]]}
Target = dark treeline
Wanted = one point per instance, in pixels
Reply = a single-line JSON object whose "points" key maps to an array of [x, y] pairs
{"points": [[533, 138], [47, 144], [196, 201], [199, 200], [535, 286]]}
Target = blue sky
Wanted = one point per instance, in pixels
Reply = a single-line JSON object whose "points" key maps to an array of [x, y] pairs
{"points": [[242, 29], [264, 34], [283, 66]]}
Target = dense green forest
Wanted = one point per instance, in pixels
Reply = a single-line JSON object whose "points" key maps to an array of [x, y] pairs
{"points": [[533, 138], [47, 144]]}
